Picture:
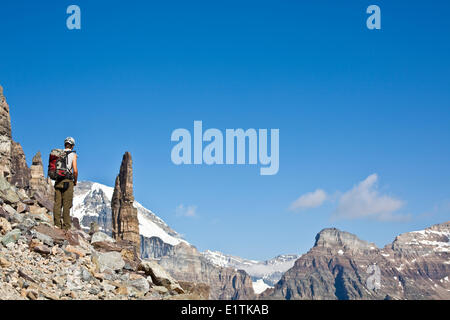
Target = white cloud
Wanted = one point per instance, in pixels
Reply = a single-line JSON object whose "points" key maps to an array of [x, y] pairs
{"points": [[309, 200], [186, 211], [364, 201]]}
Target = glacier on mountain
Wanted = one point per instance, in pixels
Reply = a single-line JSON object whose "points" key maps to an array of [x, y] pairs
{"points": [[269, 271]]}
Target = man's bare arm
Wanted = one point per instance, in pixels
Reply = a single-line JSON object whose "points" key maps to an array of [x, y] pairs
{"points": [[75, 170]]}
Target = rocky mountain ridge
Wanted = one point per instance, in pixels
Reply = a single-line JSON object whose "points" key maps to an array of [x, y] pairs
{"points": [[416, 265], [186, 263]]}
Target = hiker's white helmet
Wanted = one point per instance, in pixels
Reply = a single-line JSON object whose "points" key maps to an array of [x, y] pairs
{"points": [[70, 141]]}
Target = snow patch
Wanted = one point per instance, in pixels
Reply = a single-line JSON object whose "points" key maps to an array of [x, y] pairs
{"points": [[437, 246], [260, 286], [149, 229], [400, 267]]}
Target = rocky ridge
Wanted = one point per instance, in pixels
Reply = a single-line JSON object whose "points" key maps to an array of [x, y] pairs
{"points": [[40, 262], [341, 266], [5, 137]]}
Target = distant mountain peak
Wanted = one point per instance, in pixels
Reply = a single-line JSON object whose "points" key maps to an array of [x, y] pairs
{"points": [[334, 238], [342, 266]]}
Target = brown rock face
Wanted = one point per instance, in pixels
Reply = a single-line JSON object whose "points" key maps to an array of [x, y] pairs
{"points": [[341, 266], [5, 137], [20, 173], [125, 221], [115, 208], [199, 291], [39, 184], [185, 263]]}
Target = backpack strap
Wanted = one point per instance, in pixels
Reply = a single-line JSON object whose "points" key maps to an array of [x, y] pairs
{"points": [[67, 159]]}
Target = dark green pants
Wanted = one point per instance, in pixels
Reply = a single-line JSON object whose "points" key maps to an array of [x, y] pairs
{"points": [[63, 198]]}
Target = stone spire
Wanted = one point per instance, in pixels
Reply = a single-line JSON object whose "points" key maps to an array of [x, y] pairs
{"points": [[115, 207], [126, 178], [37, 172], [124, 214], [38, 182]]}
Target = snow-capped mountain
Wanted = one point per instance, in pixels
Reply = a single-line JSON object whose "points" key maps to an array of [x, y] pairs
{"points": [[264, 273], [260, 286], [92, 203]]}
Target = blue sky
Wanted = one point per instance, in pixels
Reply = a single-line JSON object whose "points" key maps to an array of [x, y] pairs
{"points": [[352, 105]]}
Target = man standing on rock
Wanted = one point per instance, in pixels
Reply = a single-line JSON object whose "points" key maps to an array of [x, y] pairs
{"points": [[64, 187]]}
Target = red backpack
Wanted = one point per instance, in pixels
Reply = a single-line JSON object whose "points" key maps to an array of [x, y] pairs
{"points": [[57, 165]]}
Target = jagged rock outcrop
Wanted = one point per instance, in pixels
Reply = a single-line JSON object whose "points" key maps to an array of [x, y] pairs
{"points": [[125, 223], [187, 264], [341, 266], [20, 173], [332, 239], [38, 181], [13, 166], [5, 137]]}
